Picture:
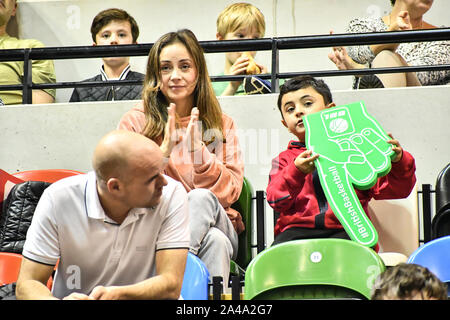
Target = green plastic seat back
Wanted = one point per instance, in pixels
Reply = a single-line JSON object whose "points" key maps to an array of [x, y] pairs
{"points": [[244, 206], [313, 269]]}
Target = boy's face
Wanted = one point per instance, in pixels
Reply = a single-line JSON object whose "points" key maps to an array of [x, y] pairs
{"points": [[115, 33], [241, 33], [296, 104]]}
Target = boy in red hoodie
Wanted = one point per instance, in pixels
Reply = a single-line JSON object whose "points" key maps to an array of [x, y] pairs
{"points": [[294, 190]]}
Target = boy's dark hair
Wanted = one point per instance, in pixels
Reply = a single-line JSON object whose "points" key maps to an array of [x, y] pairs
{"points": [[106, 16], [406, 280], [302, 82], [392, 2]]}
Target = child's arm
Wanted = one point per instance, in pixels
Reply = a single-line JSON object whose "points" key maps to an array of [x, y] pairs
{"points": [[286, 179]]}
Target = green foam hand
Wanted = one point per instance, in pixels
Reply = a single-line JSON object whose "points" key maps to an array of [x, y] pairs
{"points": [[353, 152]]}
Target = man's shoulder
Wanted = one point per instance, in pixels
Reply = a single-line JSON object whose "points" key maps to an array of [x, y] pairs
{"points": [[75, 183], [14, 43]]}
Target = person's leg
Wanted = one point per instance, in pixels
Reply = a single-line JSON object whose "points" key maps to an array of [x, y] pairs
{"points": [[216, 252], [212, 234], [387, 58]]}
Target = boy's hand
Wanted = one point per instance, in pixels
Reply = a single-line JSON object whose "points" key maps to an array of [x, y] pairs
{"points": [[239, 67], [305, 161], [396, 147]]}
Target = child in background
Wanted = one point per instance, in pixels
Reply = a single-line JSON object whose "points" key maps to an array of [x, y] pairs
{"points": [[294, 190], [112, 27], [239, 21], [408, 282]]}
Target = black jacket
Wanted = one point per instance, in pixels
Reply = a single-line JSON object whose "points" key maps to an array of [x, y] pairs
{"points": [[129, 92], [15, 219], [17, 213]]}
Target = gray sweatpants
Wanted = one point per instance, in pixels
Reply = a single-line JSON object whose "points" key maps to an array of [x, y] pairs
{"points": [[213, 238]]}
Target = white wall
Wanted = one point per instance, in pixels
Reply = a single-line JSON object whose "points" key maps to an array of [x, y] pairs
{"points": [[67, 23], [64, 135]]}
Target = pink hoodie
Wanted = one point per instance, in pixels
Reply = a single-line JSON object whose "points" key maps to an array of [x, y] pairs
{"points": [[218, 166]]}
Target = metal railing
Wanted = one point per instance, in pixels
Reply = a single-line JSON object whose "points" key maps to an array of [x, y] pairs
{"points": [[267, 44]]}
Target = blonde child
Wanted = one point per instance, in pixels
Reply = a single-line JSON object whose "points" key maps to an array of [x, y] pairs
{"points": [[238, 21]]}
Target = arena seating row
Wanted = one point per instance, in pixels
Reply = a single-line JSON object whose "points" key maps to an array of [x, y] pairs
{"points": [[302, 269]]}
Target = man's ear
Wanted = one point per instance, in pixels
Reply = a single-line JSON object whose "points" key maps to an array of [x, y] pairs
{"points": [[94, 44], [284, 123], [218, 36], [114, 185], [330, 105]]}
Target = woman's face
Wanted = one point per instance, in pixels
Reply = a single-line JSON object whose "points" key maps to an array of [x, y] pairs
{"points": [[178, 73], [416, 7]]}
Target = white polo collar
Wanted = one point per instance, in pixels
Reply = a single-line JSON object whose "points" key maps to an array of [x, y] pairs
{"points": [[94, 208], [92, 203]]}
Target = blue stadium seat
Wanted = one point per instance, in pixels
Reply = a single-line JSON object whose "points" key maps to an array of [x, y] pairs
{"points": [[434, 256], [195, 281]]}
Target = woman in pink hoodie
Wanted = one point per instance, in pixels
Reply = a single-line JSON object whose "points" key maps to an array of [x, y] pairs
{"points": [[182, 114]]}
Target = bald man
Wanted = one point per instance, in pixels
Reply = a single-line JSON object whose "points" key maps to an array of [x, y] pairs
{"points": [[118, 232]]}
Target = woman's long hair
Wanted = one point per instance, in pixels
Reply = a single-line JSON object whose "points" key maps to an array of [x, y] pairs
{"points": [[155, 103]]}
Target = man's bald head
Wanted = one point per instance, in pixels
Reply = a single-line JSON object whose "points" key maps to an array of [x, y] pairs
{"points": [[119, 153]]}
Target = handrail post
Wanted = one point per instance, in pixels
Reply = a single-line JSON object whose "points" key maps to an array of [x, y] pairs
{"points": [[260, 221], [275, 67], [426, 212], [27, 81]]}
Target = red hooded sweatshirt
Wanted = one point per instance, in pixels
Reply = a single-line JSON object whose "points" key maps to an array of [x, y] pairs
{"points": [[300, 200]]}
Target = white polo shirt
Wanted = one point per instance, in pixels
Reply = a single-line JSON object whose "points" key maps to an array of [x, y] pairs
{"points": [[69, 224]]}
